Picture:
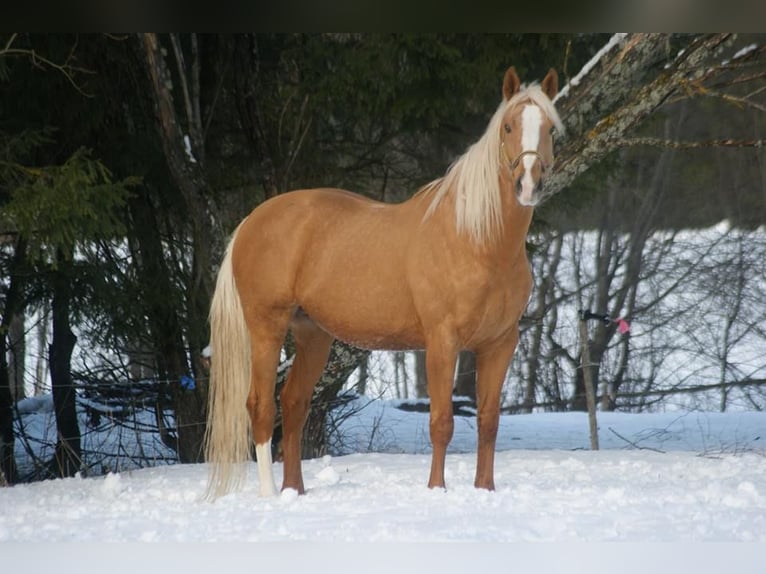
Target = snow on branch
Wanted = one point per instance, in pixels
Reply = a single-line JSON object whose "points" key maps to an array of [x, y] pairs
{"points": [[615, 41], [622, 89]]}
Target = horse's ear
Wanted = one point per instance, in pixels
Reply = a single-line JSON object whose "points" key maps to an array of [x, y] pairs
{"points": [[511, 83], [550, 84]]}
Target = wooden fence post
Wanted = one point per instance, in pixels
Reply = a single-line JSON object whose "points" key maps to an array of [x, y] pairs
{"points": [[587, 371]]}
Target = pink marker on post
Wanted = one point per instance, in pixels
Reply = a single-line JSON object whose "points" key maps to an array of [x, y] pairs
{"points": [[622, 325]]}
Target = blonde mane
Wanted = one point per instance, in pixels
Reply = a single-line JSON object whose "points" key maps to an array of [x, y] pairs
{"points": [[473, 177]]}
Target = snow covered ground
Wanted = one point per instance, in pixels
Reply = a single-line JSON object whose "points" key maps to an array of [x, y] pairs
{"points": [[659, 477], [674, 477]]}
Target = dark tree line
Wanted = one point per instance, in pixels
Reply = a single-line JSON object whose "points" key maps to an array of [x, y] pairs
{"points": [[127, 159]]}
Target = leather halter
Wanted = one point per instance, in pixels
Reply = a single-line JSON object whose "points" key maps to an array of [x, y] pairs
{"points": [[515, 163]]}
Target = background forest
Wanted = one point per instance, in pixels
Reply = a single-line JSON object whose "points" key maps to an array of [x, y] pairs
{"points": [[125, 161]]}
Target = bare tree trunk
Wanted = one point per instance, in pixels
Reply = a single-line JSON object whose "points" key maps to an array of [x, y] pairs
{"points": [[465, 380], [41, 366], [344, 359], [68, 456], [166, 332], [18, 348], [247, 65], [590, 383], [544, 299], [421, 380], [185, 162], [735, 286], [8, 470], [188, 172], [400, 375], [364, 375], [13, 304]]}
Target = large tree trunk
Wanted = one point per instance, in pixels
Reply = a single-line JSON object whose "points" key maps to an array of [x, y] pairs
{"points": [[18, 349], [185, 159], [163, 312], [13, 305], [8, 470], [68, 456], [246, 67], [629, 83]]}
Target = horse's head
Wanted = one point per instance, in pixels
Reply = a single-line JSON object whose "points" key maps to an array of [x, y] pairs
{"points": [[526, 134]]}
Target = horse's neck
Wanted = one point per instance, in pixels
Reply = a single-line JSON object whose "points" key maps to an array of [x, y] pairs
{"points": [[516, 221]]}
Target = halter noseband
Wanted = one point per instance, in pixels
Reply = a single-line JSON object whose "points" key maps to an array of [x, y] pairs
{"points": [[515, 163]]}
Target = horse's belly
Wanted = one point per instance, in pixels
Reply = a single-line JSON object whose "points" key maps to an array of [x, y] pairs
{"points": [[369, 327], [387, 342]]}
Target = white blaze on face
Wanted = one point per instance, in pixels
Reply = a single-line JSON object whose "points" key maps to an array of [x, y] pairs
{"points": [[531, 121]]}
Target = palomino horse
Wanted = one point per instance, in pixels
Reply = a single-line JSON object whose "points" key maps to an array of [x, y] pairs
{"points": [[443, 271]]}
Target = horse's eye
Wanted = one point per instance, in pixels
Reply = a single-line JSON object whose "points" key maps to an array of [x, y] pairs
{"points": [[553, 130], [507, 128]]}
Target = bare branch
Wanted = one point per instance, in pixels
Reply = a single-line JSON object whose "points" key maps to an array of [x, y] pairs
{"points": [[66, 69], [582, 152], [190, 98], [672, 144], [632, 443]]}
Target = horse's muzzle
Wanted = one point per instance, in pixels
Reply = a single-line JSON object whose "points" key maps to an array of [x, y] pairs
{"points": [[529, 193]]}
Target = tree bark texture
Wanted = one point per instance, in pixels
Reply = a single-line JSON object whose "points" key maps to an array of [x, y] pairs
{"points": [[18, 351], [344, 359], [13, 305], [623, 89], [68, 456], [590, 384], [166, 332], [8, 470], [186, 168], [207, 235], [246, 67]]}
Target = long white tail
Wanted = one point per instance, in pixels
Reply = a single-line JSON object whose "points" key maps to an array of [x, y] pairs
{"points": [[228, 436]]}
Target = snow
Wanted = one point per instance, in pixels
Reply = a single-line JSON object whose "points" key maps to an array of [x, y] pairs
{"points": [[668, 477], [544, 496], [684, 478], [613, 41], [681, 477], [745, 51], [188, 149]]}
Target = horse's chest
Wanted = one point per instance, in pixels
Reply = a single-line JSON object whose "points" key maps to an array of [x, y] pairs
{"points": [[500, 300]]}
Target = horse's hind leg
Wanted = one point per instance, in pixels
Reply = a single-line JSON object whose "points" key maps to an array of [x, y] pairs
{"points": [[266, 336], [312, 347]]}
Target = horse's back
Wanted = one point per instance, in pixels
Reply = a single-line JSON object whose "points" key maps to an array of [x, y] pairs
{"points": [[339, 256], [373, 274]]}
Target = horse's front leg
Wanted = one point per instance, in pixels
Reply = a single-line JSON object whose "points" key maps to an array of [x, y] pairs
{"points": [[491, 365], [441, 356]]}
